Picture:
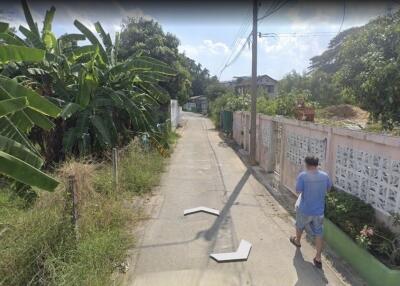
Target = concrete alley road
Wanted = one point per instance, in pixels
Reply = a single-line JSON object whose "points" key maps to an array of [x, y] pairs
{"points": [[174, 250]]}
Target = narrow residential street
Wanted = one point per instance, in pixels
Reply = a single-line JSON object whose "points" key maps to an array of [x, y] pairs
{"points": [[174, 249]]}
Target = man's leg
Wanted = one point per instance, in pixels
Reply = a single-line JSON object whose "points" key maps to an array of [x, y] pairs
{"points": [[301, 221], [319, 243], [317, 228], [299, 233]]}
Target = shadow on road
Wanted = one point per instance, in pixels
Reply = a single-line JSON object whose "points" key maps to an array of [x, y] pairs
{"points": [[306, 272], [211, 233]]}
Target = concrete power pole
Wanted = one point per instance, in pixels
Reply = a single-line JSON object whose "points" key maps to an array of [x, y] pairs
{"points": [[253, 86]]}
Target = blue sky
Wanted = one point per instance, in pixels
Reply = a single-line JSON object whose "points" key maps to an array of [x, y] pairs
{"points": [[207, 31]]}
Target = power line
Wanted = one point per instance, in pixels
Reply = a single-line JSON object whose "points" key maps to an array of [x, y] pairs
{"points": [[275, 6], [344, 13], [274, 9], [296, 34], [236, 56], [236, 42]]}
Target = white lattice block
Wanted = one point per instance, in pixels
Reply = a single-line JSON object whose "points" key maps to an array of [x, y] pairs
{"points": [[373, 178]]}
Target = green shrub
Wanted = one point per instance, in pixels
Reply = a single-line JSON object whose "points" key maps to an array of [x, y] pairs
{"points": [[348, 212], [357, 219]]}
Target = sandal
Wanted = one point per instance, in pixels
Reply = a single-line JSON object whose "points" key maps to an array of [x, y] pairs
{"points": [[292, 239], [317, 263]]}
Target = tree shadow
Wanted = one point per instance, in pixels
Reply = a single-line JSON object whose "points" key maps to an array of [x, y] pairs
{"points": [[307, 273]]}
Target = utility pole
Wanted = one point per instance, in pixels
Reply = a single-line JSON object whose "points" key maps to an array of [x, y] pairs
{"points": [[253, 112]]}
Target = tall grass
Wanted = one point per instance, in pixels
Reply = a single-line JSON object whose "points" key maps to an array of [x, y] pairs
{"points": [[39, 245]]}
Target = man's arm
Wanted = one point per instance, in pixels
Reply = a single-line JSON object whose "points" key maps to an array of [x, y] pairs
{"points": [[300, 184], [329, 184]]}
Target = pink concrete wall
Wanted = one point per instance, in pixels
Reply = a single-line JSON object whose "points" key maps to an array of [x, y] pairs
{"points": [[364, 164]]}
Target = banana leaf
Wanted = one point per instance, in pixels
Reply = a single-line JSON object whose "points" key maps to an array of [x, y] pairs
{"points": [[92, 38], [105, 129], [36, 41], [36, 101], [20, 53], [104, 36], [25, 173], [28, 17], [39, 119], [72, 38], [9, 106], [20, 151], [69, 110], [11, 39]]}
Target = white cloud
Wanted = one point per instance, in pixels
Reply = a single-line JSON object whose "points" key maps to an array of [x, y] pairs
{"points": [[190, 50], [207, 47], [216, 48]]}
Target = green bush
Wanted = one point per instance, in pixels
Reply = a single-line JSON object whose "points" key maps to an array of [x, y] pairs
{"points": [[348, 212], [229, 102], [357, 219]]}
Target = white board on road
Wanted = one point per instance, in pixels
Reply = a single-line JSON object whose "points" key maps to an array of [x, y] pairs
{"points": [[201, 209], [241, 254]]}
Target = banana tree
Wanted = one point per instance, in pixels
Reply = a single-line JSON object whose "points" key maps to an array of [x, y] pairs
{"points": [[112, 100], [104, 102], [20, 109]]}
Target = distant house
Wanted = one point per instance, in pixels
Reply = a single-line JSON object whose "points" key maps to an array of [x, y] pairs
{"points": [[242, 84], [197, 104]]}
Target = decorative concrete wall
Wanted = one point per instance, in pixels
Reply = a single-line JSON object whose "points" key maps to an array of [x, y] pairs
{"points": [[363, 164]]}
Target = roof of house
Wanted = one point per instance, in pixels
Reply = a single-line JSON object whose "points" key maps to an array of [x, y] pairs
{"points": [[260, 77]]}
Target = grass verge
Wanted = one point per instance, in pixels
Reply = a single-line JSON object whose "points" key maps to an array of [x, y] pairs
{"points": [[38, 245]]}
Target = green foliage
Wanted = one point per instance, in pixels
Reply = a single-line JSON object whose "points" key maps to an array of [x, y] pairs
{"points": [[230, 102], [348, 212], [359, 67], [140, 35], [141, 169], [357, 219], [38, 243]]}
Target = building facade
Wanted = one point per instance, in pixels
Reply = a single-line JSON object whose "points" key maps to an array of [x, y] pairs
{"points": [[242, 85]]}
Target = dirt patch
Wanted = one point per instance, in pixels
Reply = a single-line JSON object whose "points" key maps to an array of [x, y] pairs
{"points": [[344, 115]]}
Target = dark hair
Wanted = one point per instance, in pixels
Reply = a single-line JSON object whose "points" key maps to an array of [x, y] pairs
{"points": [[311, 161]]}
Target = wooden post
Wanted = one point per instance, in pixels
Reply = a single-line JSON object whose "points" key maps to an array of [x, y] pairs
{"points": [[115, 168], [73, 194]]}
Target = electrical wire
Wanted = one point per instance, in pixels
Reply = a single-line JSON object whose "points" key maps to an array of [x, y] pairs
{"points": [[274, 9], [275, 6], [296, 34], [235, 44], [237, 55], [344, 13]]}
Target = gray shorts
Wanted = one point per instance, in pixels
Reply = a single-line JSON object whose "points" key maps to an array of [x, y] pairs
{"points": [[315, 223]]}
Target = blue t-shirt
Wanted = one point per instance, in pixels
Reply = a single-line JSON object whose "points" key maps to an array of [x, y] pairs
{"points": [[313, 186]]}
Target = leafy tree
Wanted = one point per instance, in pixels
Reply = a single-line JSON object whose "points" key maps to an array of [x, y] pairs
{"points": [[99, 102], [147, 36], [369, 70], [21, 109], [214, 89]]}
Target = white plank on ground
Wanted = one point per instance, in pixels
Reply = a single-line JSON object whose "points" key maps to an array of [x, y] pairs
{"points": [[241, 254], [201, 209]]}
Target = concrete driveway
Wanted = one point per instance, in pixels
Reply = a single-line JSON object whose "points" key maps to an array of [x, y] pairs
{"points": [[174, 250]]}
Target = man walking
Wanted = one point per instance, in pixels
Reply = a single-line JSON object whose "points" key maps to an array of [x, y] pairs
{"points": [[312, 186]]}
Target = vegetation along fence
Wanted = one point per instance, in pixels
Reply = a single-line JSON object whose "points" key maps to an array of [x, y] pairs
{"points": [[363, 164]]}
